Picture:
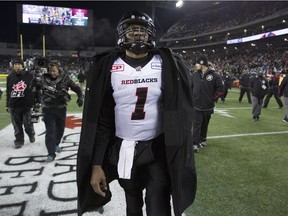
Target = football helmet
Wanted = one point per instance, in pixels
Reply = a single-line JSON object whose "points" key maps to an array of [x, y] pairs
{"points": [[136, 32]]}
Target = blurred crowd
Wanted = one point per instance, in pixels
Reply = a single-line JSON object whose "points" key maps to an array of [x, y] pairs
{"points": [[231, 15], [251, 61], [72, 66]]}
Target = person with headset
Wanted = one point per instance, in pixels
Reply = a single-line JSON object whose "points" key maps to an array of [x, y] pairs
{"points": [[19, 101], [136, 125], [55, 97]]}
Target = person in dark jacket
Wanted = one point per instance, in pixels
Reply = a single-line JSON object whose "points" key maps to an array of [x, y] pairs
{"points": [[273, 90], [259, 88], [227, 85], [207, 87], [137, 125], [19, 101], [81, 79], [55, 97], [284, 92], [244, 82]]}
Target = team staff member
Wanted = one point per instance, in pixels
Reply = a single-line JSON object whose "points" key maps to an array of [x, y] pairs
{"points": [[244, 82], [259, 88], [55, 85], [273, 90], [227, 85], [284, 92], [20, 100], [207, 87], [138, 98]]}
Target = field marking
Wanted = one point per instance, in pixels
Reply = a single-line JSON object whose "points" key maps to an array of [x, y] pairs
{"points": [[247, 134], [223, 112]]}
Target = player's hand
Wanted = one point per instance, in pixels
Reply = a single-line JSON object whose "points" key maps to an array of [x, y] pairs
{"points": [[98, 180], [8, 109], [80, 101]]}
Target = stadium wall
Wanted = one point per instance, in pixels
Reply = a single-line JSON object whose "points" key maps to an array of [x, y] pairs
{"points": [[5, 50]]}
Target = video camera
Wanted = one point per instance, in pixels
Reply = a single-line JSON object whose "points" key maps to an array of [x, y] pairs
{"points": [[38, 63], [37, 66], [35, 113]]}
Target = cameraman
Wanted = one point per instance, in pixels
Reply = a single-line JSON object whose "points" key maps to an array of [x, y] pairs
{"points": [[19, 101], [55, 85]]}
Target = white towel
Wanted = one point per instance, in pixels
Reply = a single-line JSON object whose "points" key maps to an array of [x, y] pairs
{"points": [[126, 156]]}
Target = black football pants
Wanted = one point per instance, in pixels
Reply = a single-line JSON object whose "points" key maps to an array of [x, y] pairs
{"points": [[155, 179]]}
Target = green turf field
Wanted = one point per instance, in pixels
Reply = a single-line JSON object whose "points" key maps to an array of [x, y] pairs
{"points": [[243, 172], [244, 175]]}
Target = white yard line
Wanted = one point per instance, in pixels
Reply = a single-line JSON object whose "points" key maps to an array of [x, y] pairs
{"points": [[247, 134]]}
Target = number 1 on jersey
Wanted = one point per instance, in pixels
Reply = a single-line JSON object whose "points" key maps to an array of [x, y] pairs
{"points": [[139, 113]]}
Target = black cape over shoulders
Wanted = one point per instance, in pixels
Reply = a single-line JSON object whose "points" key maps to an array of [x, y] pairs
{"points": [[177, 129]]}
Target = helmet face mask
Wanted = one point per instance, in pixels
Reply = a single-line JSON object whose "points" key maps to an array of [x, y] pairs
{"points": [[136, 32]]}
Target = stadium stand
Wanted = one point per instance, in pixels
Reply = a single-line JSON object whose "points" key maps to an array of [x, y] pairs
{"points": [[204, 31]]}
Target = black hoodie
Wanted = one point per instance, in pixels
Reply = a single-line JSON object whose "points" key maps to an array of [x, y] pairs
{"points": [[19, 90]]}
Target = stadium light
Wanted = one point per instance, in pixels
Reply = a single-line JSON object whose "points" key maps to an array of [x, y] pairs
{"points": [[179, 4]]}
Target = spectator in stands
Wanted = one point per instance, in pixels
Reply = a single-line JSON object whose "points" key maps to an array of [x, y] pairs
{"points": [[244, 82], [259, 88], [273, 90], [20, 100], [207, 86], [284, 92]]}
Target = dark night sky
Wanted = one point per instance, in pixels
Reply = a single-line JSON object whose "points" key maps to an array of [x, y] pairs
{"points": [[105, 17]]}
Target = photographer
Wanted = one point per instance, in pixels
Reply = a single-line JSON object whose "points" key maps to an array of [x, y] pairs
{"points": [[19, 101], [55, 85]]}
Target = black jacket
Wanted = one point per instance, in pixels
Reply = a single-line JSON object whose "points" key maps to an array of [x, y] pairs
{"points": [[206, 89], [259, 87], [177, 129], [244, 81], [19, 90], [56, 90], [284, 87]]}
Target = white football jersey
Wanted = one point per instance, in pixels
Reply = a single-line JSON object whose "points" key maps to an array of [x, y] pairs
{"points": [[138, 97]]}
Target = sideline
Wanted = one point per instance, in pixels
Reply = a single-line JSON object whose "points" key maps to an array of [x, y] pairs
{"points": [[29, 186]]}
